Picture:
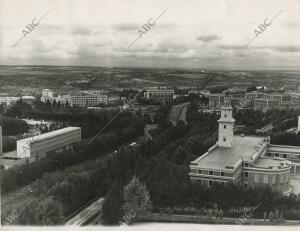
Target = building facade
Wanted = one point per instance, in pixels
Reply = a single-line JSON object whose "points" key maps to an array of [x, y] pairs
{"points": [[159, 95], [82, 99], [36, 146], [240, 159], [216, 101], [266, 104]]}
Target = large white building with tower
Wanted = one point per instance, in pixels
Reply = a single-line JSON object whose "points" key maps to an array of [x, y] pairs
{"points": [[247, 160]]}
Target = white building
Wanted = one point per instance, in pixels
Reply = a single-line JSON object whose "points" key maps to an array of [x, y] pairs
{"points": [[247, 160], [82, 99], [9, 100], [157, 94], [35, 146], [47, 93]]}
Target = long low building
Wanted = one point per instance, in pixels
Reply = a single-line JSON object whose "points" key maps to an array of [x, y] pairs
{"points": [[36, 146]]}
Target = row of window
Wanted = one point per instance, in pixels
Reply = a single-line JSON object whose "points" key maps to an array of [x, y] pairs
{"points": [[212, 173], [286, 156], [210, 182], [282, 178]]}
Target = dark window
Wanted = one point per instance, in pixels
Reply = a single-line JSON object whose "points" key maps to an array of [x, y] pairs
{"points": [[210, 183], [224, 139], [224, 126], [284, 155], [276, 155], [245, 185], [268, 154], [222, 173], [199, 171], [246, 164], [211, 172], [246, 174]]}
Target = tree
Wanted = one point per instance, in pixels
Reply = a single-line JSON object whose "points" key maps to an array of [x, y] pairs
{"points": [[1, 108], [271, 216], [276, 215], [50, 212], [251, 88], [29, 215], [221, 214], [137, 200], [112, 207]]}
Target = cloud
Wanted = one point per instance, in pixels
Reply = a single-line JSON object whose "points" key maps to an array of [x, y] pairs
{"points": [[80, 31], [286, 48], [208, 38], [232, 47], [127, 27]]}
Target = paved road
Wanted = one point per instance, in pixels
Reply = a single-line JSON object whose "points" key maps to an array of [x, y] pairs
{"points": [[266, 128], [149, 127], [178, 112], [85, 215]]}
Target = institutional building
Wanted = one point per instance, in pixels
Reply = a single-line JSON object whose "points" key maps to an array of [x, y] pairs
{"points": [[8, 101], [80, 99], [266, 104], [36, 146], [215, 101], [258, 100], [249, 160], [159, 95]]}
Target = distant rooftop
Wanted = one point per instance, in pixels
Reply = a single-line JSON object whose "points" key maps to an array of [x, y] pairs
{"points": [[242, 148]]}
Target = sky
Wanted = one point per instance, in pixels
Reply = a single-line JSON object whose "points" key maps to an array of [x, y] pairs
{"points": [[189, 33]]}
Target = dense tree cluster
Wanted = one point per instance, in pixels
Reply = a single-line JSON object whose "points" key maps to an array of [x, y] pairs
{"points": [[161, 165], [286, 138], [253, 119], [12, 126], [22, 175], [9, 144], [124, 206], [90, 121]]}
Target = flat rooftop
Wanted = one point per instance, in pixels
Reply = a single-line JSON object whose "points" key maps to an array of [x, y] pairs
{"points": [[50, 134], [242, 148], [265, 163]]}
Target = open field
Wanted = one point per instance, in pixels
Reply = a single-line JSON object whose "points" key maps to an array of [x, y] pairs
{"points": [[31, 79]]}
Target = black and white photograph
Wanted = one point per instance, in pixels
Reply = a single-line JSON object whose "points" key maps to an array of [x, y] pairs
{"points": [[150, 115]]}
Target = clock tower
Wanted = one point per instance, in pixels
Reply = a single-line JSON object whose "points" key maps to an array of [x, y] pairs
{"points": [[226, 123]]}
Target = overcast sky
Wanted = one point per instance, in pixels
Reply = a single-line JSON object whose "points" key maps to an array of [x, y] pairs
{"points": [[190, 34]]}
